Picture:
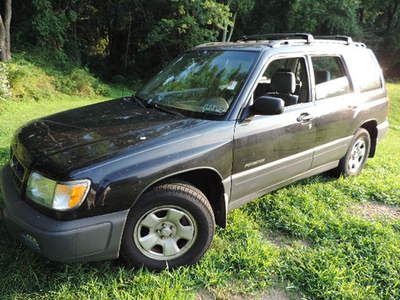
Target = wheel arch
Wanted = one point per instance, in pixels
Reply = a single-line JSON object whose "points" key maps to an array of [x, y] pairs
{"points": [[372, 127], [207, 180]]}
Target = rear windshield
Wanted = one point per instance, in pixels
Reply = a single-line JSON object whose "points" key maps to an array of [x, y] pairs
{"points": [[366, 71]]}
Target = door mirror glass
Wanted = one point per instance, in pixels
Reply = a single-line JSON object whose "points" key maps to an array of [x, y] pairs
{"points": [[267, 105]]}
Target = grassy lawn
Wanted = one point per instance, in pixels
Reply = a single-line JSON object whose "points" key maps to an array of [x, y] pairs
{"points": [[318, 238]]}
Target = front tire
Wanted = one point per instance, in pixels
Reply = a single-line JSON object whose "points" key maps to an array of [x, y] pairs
{"points": [[354, 160], [171, 225]]}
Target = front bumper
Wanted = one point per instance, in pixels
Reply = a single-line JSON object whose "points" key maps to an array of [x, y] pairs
{"points": [[87, 239]]}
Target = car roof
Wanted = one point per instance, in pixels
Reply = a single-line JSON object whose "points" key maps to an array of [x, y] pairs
{"points": [[284, 42]]}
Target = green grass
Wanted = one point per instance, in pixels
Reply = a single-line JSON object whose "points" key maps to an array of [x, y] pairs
{"points": [[306, 238]]}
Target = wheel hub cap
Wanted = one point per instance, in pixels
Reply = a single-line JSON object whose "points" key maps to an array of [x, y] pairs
{"points": [[165, 232], [358, 154]]}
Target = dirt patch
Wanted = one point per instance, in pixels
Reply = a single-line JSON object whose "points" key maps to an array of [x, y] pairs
{"points": [[277, 294], [284, 240], [272, 294], [375, 211], [205, 295]]}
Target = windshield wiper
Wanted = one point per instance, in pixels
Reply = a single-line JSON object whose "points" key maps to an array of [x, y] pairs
{"points": [[165, 109], [139, 101]]}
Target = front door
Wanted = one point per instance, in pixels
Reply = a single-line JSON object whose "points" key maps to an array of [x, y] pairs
{"points": [[269, 150]]}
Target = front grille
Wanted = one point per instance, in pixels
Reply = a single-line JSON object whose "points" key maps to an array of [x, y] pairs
{"points": [[18, 170]]}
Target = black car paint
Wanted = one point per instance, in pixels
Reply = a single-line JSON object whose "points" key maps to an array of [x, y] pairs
{"points": [[121, 147], [124, 148]]}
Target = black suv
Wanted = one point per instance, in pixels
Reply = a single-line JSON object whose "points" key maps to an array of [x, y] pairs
{"points": [[150, 176]]}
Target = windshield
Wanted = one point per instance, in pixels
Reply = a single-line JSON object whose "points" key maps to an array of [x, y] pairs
{"points": [[201, 81]]}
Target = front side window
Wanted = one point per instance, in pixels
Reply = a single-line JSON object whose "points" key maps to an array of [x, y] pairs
{"points": [[330, 77], [285, 78], [201, 81]]}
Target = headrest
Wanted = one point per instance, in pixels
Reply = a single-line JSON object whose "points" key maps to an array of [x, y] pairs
{"points": [[322, 76], [284, 82], [280, 70]]}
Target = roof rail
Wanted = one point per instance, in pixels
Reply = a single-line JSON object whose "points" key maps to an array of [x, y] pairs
{"points": [[358, 44], [344, 38], [279, 36]]}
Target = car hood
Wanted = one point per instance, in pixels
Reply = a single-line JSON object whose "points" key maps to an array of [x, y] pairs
{"points": [[76, 138]]}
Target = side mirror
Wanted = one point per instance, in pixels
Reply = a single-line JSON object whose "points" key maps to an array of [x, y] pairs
{"points": [[267, 105]]}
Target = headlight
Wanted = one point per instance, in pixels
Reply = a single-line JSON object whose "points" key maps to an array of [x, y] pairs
{"points": [[56, 195]]}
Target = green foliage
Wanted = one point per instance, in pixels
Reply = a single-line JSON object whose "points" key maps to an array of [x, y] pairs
{"points": [[51, 26], [30, 80], [306, 238], [80, 82], [325, 16], [133, 38], [189, 23], [243, 6]]}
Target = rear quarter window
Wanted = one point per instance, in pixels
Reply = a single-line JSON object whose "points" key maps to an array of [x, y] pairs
{"points": [[365, 70]]}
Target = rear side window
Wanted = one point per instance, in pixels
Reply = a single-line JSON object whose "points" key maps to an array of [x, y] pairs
{"points": [[330, 77], [366, 71]]}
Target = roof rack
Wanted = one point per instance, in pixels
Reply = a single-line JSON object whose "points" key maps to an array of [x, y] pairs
{"points": [[293, 38], [344, 38], [279, 36]]}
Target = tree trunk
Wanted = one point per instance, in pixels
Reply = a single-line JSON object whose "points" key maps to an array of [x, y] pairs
{"points": [[5, 36], [2, 40], [224, 33], [361, 15], [232, 26], [128, 42]]}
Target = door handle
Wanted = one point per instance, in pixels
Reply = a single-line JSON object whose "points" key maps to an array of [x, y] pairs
{"points": [[353, 107], [304, 118]]}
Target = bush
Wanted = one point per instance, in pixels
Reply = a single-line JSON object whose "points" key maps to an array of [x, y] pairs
{"points": [[81, 82], [29, 77], [28, 81]]}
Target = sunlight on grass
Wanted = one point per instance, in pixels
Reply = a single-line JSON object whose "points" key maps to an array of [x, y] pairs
{"points": [[329, 251]]}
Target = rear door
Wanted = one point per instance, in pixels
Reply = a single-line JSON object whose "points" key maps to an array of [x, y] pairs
{"points": [[335, 103]]}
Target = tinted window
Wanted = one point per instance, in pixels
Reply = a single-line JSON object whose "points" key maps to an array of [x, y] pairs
{"points": [[367, 73], [330, 77]]}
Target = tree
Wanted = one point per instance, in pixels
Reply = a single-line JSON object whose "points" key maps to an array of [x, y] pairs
{"points": [[236, 7], [325, 16], [132, 38], [186, 24], [380, 20], [5, 23]]}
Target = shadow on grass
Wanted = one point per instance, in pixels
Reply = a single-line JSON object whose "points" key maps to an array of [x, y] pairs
{"points": [[325, 177], [26, 273], [23, 271]]}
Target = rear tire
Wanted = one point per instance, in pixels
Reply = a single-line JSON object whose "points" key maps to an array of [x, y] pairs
{"points": [[357, 154], [171, 225]]}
